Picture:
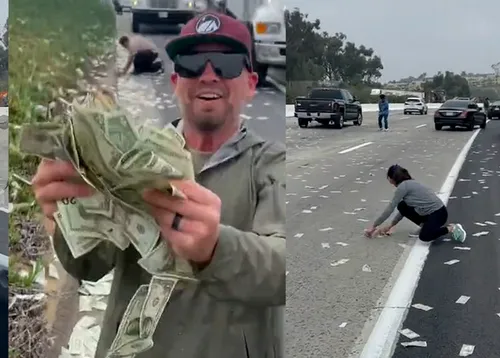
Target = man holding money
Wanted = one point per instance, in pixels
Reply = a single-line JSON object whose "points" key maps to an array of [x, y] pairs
{"points": [[230, 226]]}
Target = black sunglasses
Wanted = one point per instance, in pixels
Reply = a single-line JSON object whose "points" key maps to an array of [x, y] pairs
{"points": [[225, 65]]}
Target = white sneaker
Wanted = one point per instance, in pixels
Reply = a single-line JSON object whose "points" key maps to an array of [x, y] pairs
{"points": [[386, 130]]}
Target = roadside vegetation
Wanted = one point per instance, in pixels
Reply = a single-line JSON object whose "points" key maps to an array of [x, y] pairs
{"points": [[55, 45]]}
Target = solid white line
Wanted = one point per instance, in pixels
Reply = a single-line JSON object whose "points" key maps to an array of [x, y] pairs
{"points": [[420, 126], [355, 147], [276, 84], [383, 338]]}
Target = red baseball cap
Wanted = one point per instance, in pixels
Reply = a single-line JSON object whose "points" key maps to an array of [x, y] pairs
{"points": [[209, 28]]}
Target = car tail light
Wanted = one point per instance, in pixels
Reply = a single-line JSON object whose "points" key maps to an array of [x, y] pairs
{"points": [[436, 114], [464, 114]]}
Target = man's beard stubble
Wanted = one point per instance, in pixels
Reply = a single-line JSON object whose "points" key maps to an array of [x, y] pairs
{"points": [[206, 123]]}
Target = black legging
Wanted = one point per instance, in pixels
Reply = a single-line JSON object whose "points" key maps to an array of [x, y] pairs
{"points": [[433, 224], [144, 61]]}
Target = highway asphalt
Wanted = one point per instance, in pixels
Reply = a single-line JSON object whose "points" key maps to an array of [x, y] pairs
{"points": [[265, 115], [474, 203], [336, 187]]}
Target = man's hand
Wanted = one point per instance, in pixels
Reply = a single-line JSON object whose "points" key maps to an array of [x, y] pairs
{"points": [[198, 229], [55, 181]]}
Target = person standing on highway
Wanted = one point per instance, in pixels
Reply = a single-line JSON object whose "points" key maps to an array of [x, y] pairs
{"points": [[143, 54], [486, 104], [230, 227], [383, 113], [420, 205]]}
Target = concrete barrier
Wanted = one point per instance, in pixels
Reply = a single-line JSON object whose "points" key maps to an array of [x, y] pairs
{"points": [[373, 107]]}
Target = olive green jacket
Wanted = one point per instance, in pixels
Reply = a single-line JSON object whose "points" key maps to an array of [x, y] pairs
{"points": [[236, 310]]}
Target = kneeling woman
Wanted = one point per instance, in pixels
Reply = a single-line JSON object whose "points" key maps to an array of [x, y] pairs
{"points": [[418, 204]]}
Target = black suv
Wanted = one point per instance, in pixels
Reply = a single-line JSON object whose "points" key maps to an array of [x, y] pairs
{"points": [[328, 106]]}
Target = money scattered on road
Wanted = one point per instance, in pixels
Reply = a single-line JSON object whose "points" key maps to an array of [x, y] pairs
{"points": [[463, 300], [422, 344], [408, 333], [339, 262], [466, 350], [421, 307]]}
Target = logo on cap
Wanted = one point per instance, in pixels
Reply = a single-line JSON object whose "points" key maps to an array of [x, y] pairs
{"points": [[207, 24]]}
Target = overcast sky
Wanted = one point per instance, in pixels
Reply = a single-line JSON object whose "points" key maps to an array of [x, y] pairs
{"points": [[413, 37], [4, 11]]}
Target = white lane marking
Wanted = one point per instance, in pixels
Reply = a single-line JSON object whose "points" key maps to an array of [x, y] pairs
{"points": [[406, 117], [384, 335], [355, 147], [276, 84], [422, 125]]}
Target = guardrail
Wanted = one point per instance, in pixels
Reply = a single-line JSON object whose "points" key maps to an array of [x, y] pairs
{"points": [[373, 107]]}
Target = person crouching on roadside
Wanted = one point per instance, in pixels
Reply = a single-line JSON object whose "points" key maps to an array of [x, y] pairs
{"points": [[143, 54], [420, 205]]}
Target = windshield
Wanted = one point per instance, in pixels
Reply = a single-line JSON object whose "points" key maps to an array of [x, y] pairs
{"points": [[456, 104], [326, 94]]}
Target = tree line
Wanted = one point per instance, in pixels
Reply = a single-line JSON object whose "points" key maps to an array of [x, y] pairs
{"points": [[317, 58]]}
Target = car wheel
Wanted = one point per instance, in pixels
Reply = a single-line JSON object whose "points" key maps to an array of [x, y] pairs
{"points": [[405, 112], [426, 112], [483, 125], [471, 126], [339, 122], [359, 120], [422, 112], [303, 122], [136, 26], [490, 117], [438, 126], [324, 122]]}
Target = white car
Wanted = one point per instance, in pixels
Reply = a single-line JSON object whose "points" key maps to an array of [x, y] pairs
{"points": [[415, 104]]}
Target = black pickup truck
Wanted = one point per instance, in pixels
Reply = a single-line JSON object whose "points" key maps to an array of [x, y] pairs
{"points": [[328, 106]]}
